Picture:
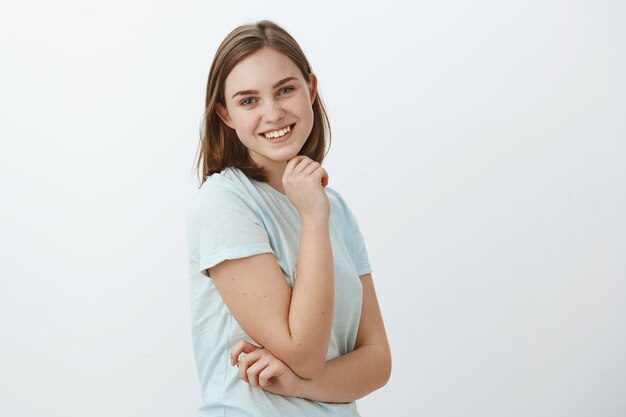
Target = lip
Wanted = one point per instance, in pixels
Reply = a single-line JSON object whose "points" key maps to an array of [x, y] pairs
{"points": [[282, 138]]}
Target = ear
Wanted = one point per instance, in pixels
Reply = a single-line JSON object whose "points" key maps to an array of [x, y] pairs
{"points": [[222, 112], [312, 87]]}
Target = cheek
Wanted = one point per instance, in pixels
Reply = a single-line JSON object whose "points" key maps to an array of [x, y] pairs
{"points": [[242, 122], [305, 109], [309, 114]]}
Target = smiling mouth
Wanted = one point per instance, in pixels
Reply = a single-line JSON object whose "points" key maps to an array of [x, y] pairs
{"points": [[278, 133]]}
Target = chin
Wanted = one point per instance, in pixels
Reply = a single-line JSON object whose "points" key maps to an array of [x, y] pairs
{"points": [[285, 159], [287, 154]]}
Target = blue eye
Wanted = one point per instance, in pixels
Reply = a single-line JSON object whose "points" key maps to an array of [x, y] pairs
{"points": [[286, 90], [247, 101]]}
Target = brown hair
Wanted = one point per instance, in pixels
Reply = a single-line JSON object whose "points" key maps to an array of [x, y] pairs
{"points": [[219, 146]]}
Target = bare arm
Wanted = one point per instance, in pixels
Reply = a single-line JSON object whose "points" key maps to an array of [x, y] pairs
{"points": [[344, 379], [293, 325], [366, 368]]}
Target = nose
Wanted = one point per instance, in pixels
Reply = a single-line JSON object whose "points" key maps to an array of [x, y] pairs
{"points": [[273, 111]]}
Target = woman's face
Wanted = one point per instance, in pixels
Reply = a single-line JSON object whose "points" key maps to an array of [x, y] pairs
{"points": [[269, 104]]}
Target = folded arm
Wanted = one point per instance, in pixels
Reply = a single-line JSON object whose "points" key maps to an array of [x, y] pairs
{"points": [[294, 325], [343, 379], [366, 368]]}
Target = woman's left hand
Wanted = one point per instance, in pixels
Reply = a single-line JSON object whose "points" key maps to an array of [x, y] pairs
{"points": [[261, 369]]}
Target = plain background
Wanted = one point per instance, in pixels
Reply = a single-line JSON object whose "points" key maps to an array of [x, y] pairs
{"points": [[481, 145]]}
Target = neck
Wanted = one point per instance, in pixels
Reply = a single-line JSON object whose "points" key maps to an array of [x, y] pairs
{"points": [[275, 176]]}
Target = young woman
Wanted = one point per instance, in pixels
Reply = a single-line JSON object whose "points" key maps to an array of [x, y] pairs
{"points": [[285, 319]]}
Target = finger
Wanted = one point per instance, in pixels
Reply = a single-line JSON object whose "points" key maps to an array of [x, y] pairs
{"points": [[243, 346], [254, 371], [304, 164], [309, 169], [321, 174], [291, 164], [265, 376], [301, 165], [245, 362], [239, 349]]}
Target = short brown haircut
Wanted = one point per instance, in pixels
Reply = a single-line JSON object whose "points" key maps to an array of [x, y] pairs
{"points": [[219, 146]]}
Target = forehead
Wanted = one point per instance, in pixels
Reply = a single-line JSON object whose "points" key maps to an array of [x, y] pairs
{"points": [[260, 70]]}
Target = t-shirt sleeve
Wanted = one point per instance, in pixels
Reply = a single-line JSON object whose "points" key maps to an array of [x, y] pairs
{"points": [[362, 260], [227, 227], [353, 236]]}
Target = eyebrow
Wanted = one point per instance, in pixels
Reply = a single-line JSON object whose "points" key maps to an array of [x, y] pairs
{"points": [[246, 92]]}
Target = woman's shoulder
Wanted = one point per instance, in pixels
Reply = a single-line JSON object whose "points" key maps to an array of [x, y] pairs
{"points": [[221, 189], [335, 196], [230, 181], [228, 178], [338, 204]]}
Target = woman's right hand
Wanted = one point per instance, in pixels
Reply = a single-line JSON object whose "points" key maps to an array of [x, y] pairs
{"points": [[261, 369], [304, 181]]}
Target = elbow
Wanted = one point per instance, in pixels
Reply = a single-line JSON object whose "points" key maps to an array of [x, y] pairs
{"points": [[307, 367], [307, 360], [304, 360], [387, 369], [383, 362]]}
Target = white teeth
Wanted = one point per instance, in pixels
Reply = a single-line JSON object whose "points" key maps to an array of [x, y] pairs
{"points": [[277, 133]]}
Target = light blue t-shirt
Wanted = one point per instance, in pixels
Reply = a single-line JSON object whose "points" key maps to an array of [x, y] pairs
{"points": [[234, 217]]}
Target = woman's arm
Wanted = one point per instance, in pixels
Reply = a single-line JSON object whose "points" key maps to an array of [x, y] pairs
{"points": [[366, 368], [343, 379], [294, 325]]}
